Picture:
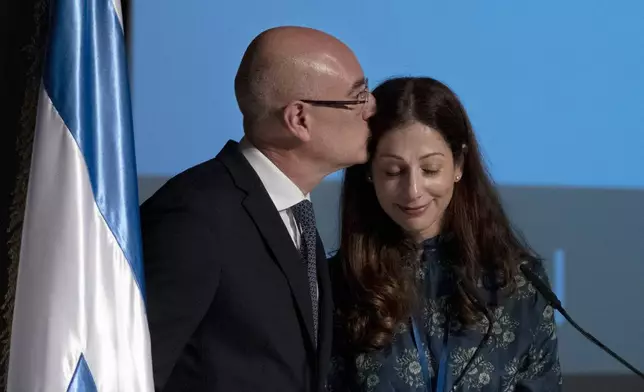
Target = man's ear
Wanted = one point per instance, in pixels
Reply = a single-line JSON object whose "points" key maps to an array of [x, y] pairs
{"points": [[297, 120]]}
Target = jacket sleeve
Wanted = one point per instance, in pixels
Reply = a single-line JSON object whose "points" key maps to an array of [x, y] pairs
{"points": [[339, 378], [182, 273]]}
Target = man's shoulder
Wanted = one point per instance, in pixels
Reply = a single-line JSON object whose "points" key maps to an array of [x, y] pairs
{"points": [[205, 185], [194, 179]]}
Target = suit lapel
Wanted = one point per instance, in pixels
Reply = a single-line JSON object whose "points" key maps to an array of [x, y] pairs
{"points": [[287, 257], [269, 223]]}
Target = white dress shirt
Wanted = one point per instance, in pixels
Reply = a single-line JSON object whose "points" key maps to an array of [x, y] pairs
{"points": [[282, 191]]}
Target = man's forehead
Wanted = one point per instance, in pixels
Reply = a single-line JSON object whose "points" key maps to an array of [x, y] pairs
{"points": [[325, 64], [341, 72], [359, 84]]}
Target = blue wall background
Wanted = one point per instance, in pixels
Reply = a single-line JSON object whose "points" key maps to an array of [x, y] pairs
{"points": [[555, 91]]}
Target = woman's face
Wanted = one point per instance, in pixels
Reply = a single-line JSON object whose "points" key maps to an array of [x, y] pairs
{"points": [[414, 173]]}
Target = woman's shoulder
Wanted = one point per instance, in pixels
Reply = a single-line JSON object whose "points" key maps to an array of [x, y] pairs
{"points": [[530, 274], [524, 298]]}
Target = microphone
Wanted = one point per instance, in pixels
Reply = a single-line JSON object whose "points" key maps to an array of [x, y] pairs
{"points": [[552, 299]]}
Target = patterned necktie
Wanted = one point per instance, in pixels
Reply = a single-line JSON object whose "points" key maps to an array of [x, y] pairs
{"points": [[303, 213]]}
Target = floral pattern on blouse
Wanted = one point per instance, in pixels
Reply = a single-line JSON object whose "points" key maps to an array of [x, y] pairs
{"points": [[519, 355]]}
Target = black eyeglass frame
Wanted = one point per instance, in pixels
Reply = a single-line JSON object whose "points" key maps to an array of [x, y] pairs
{"points": [[342, 103], [335, 103]]}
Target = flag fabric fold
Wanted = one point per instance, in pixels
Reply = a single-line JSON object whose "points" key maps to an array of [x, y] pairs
{"points": [[79, 320]]}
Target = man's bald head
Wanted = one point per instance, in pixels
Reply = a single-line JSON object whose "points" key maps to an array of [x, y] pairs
{"points": [[285, 64]]}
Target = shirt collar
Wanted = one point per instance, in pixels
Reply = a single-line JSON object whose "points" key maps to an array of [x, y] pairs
{"points": [[282, 191]]}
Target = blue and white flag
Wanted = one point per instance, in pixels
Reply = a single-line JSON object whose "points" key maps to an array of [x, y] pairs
{"points": [[79, 322]]}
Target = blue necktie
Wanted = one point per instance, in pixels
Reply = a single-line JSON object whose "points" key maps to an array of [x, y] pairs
{"points": [[305, 217]]}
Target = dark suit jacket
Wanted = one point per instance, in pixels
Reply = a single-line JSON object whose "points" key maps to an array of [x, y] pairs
{"points": [[227, 292]]}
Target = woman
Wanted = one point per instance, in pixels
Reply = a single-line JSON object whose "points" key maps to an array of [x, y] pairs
{"points": [[427, 286]]}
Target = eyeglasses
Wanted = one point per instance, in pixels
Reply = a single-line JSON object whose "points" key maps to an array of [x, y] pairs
{"points": [[362, 99]]}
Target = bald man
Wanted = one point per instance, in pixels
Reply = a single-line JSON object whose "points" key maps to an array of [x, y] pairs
{"points": [[238, 291]]}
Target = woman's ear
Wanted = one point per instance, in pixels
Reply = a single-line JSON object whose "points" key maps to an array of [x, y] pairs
{"points": [[368, 170], [459, 163]]}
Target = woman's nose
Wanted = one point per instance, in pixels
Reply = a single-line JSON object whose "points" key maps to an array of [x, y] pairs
{"points": [[413, 183]]}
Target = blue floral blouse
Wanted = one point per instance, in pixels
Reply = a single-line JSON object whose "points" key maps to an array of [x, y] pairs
{"points": [[518, 352]]}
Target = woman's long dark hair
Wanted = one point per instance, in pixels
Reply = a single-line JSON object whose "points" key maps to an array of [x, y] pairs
{"points": [[377, 257]]}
